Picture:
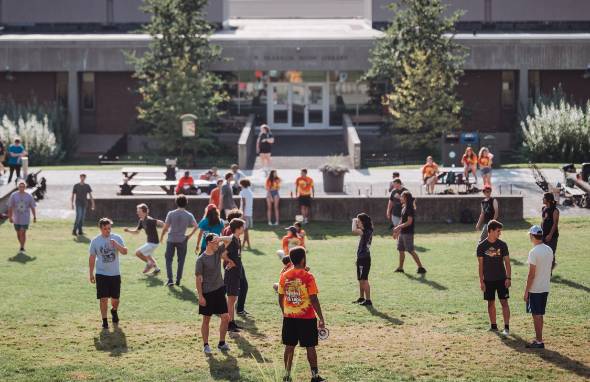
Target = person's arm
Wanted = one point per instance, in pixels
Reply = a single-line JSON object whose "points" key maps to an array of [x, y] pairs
{"points": [[496, 209], [10, 210], [554, 227], [164, 231], [270, 140], [121, 248], [242, 203], [159, 223], [315, 302], [92, 205], [312, 190], [355, 228], [199, 286], [404, 225], [72, 199], [286, 245], [195, 228], [482, 285], [389, 208], [221, 200], [229, 261], [258, 145], [199, 237], [529, 280], [281, 296], [91, 263], [134, 231], [479, 220], [34, 211], [508, 271]]}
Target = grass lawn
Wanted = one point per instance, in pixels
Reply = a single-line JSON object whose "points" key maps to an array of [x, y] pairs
{"points": [[428, 329]]}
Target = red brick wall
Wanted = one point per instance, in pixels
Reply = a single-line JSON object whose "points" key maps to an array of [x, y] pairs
{"points": [[116, 102], [481, 92], [572, 83], [26, 85]]}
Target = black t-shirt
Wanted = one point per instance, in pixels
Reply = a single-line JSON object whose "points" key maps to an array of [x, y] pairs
{"points": [[487, 206], [395, 200], [408, 211], [265, 147], [150, 225], [493, 259], [548, 221], [234, 252], [81, 191], [364, 248]]}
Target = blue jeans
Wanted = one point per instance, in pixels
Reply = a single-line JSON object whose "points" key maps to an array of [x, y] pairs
{"points": [[80, 215], [181, 253]]}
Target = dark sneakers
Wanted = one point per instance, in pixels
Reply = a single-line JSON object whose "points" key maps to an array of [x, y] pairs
{"points": [[359, 300], [317, 378], [535, 345], [366, 303], [421, 270], [105, 323], [115, 316], [232, 327], [399, 270]]}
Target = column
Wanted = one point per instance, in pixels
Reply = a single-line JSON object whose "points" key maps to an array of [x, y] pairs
{"points": [[523, 89], [74, 101]]}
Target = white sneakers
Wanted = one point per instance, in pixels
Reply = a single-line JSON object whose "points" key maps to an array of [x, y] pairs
{"points": [[505, 332], [207, 349]]}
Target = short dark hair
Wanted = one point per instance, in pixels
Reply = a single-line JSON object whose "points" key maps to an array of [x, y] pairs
{"points": [[104, 221], [396, 174], [143, 207], [236, 224], [84, 175], [397, 181], [245, 183], [297, 254], [219, 181], [494, 225], [304, 170], [286, 260], [234, 214], [181, 201], [228, 175], [210, 237], [298, 225]]}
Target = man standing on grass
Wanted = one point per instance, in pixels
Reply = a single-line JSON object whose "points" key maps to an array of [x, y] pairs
{"points": [[305, 192], [233, 275], [177, 222], [20, 206], [211, 289], [540, 261], [104, 255], [405, 233], [489, 211], [300, 304], [394, 206], [494, 274], [80, 195], [226, 202], [146, 252]]}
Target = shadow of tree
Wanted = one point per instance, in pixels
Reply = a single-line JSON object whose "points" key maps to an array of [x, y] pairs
{"points": [[569, 283], [115, 342], [22, 258], [184, 294], [563, 362], [384, 316], [225, 369], [423, 280]]}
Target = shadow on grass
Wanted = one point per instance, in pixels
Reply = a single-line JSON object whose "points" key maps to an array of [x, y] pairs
{"points": [[423, 280], [114, 342], [250, 326], [569, 283], [248, 350], [420, 249], [152, 281], [518, 344], [254, 251], [81, 239], [516, 261], [226, 369], [184, 294], [384, 316], [22, 258]]}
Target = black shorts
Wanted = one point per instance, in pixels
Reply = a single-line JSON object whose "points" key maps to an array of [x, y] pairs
{"points": [[492, 287], [363, 267], [300, 330], [304, 200], [108, 286], [231, 279], [552, 244], [536, 303], [216, 303]]}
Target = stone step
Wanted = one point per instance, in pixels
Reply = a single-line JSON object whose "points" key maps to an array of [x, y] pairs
{"points": [[298, 162]]}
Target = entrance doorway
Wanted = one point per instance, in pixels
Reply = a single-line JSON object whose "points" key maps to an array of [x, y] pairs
{"points": [[298, 105]]}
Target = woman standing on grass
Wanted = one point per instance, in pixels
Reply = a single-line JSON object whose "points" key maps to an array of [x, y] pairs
{"points": [[550, 215], [264, 146], [273, 185], [363, 226], [485, 165]]}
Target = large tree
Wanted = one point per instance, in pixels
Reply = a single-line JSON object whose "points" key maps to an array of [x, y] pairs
{"points": [[173, 74], [415, 68]]}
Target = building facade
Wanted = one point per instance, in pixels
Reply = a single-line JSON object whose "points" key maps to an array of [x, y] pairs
{"points": [[295, 64]]}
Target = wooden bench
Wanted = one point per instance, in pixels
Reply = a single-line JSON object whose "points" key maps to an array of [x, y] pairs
{"points": [[131, 172], [167, 186]]}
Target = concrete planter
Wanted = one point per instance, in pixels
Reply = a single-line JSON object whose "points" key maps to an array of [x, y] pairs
{"points": [[333, 182]]}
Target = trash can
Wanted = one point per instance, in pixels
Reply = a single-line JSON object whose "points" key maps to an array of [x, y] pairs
{"points": [[451, 149]]}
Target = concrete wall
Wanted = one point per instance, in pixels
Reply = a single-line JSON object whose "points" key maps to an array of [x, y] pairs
{"points": [[277, 9], [22, 87], [326, 208]]}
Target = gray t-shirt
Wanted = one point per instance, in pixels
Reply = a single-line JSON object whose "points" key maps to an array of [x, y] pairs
{"points": [[107, 256], [179, 220], [210, 268], [21, 204], [81, 191], [227, 196]]}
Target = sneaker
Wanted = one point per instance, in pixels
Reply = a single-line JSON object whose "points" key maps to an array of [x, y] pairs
{"points": [[421, 270], [115, 316], [81, 233], [243, 313], [74, 233], [317, 378], [224, 347], [177, 282], [535, 345], [359, 300], [156, 271], [169, 284], [399, 270], [366, 303], [105, 325], [287, 378], [505, 332], [207, 349], [270, 223], [233, 328], [276, 223], [237, 326], [147, 268], [493, 330]]}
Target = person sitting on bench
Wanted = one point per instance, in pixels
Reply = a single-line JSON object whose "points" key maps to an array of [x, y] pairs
{"points": [[186, 185], [429, 174]]}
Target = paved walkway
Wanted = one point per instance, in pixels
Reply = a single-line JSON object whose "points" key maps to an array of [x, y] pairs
{"points": [[373, 182]]}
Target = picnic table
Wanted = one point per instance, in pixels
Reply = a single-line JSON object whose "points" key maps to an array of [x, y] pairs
{"points": [[167, 186], [131, 172]]}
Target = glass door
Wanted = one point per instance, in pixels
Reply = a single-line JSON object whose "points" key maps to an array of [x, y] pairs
{"points": [[299, 105], [316, 105], [279, 107]]}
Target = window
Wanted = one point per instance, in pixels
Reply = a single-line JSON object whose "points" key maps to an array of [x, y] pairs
{"points": [[88, 99], [534, 84], [508, 100]]}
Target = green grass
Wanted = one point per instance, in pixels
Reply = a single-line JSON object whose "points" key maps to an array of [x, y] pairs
{"points": [[427, 329]]}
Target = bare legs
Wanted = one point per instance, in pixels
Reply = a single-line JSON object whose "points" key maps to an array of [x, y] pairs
{"points": [[104, 305], [21, 235], [312, 358], [231, 306], [222, 328], [402, 257], [365, 289], [276, 205], [505, 311], [538, 321]]}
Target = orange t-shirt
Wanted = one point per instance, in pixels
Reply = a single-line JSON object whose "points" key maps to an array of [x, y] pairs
{"points": [[429, 170], [214, 197], [296, 286], [274, 186], [484, 161], [184, 181], [469, 159], [304, 185], [290, 241]]}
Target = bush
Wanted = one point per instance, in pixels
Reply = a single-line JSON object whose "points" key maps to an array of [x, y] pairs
{"points": [[35, 135], [557, 132]]}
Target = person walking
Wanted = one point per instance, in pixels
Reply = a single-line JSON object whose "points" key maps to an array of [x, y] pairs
{"points": [[146, 252], [247, 206], [405, 232], [20, 206], [363, 226], [536, 291], [485, 158], [494, 274], [238, 176], [394, 205], [489, 211], [233, 275], [429, 174], [272, 185], [550, 215], [469, 161], [299, 303], [215, 194], [305, 191], [2, 158], [226, 202], [177, 222], [104, 260], [16, 152], [79, 201], [264, 147], [211, 289]]}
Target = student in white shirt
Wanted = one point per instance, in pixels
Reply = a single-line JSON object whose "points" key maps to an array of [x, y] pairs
{"points": [[246, 205]]}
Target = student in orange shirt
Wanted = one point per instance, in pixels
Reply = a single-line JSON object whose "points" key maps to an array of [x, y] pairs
{"points": [[185, 184], [485, 165], [273, 185], [429, 174], [469, 161], [216, 194], [305, 192]]}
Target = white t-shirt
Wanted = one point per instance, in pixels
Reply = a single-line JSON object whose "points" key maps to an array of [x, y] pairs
{"points": [[247, 194], [541, 256]]}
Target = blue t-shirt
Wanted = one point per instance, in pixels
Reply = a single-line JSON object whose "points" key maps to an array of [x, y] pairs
{"points": [[107, 257], [14, 150], [206, 228]]}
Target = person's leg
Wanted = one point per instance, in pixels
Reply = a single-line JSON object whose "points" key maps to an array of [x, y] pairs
{"points": [[466, 172], [17, 167], [361, 290], [538, 322], [269, 206], [115, 303], [402, 256], [277, 199], [312, 358], [243, 291], [505, 311], [366, 288], [22, 239], [82, 218], [104, 304], [288, 358], [181, 253], [231, 305], [205, 329], [492, 311], [416, 258], [223, 327], [76, 220], [169, 255], [246, 238], [474, 171]]}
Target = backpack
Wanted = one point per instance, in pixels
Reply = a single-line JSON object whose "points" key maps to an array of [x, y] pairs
{"points": [[450, 178]]}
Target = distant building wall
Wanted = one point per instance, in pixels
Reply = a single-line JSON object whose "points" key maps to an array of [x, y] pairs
{"points": [[23, 86], [572, 83], [269, 9]]}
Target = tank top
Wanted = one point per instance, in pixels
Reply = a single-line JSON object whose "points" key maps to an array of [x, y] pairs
{"points": [[487, 206], [547, 214]]}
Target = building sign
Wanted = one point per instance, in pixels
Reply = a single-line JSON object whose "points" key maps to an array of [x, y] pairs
{"points": [[329, 58], [189, 125]]}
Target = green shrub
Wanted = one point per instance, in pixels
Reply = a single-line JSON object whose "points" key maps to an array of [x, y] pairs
{"points": [[35, 135]]}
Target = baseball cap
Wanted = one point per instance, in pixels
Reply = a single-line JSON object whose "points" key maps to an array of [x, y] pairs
{"points": [[536, 230], [292, 229], [21, 181]]}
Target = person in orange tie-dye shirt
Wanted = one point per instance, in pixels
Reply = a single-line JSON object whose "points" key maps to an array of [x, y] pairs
{"points": [[429, 174], [469, 161], [299, 303], [305, 192], [485, 165]]}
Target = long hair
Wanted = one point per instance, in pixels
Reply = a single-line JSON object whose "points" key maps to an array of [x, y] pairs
{"points": [[467, 150], [213, 217], [548, 196], [482, 150], [407, 195], [272, 176], [264, 129], [366, 220]]}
